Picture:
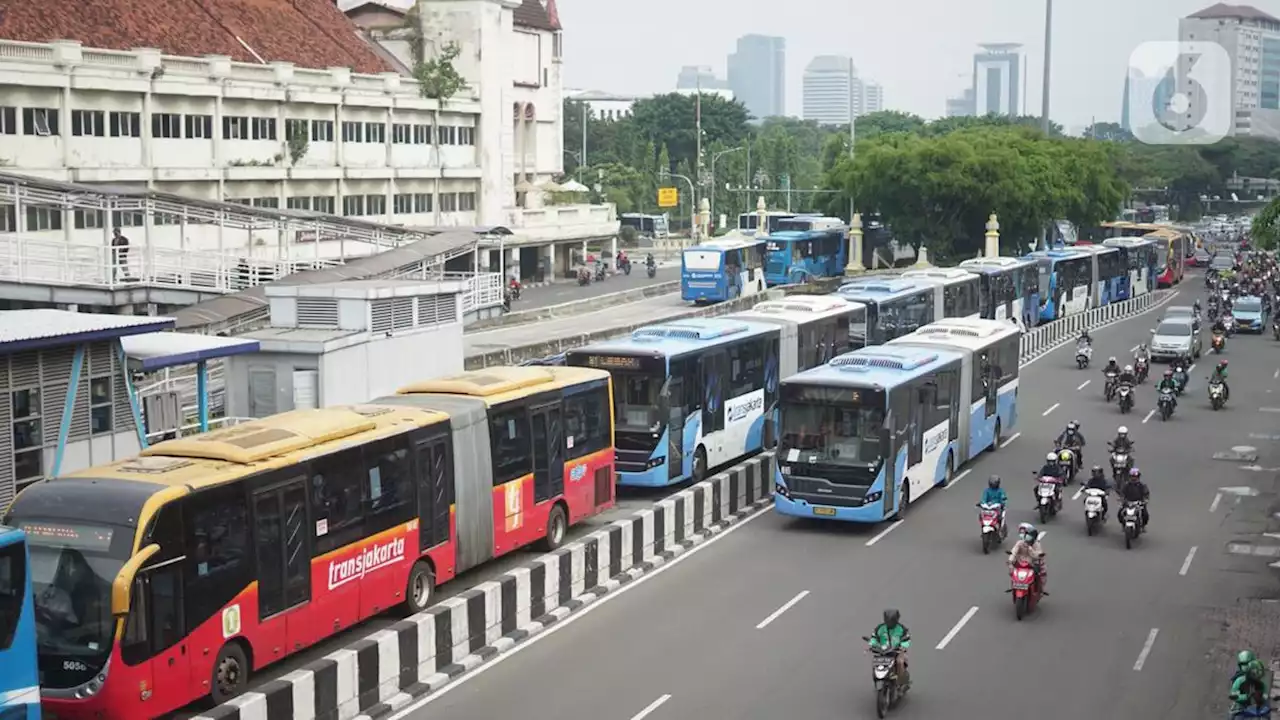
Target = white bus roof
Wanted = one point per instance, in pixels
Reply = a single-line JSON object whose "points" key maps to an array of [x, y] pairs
{"points": [[801, 309], [727, 242], [945, 275], [967, 333], [994, 262]]}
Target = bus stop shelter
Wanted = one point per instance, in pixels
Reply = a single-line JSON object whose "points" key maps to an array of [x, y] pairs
{"points": [[151, 352]]}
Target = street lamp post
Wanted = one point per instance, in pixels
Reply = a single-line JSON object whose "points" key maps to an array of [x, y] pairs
{"points": [[714, 158], [693, 228], [1044, 99]]}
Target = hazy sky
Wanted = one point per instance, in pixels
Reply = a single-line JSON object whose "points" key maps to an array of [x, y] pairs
{"points": [[921, 51]]}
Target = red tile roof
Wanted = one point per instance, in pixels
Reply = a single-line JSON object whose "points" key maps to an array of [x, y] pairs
{"points": [[531, 14], [308, 33], [1225, 11], [553, 14]]}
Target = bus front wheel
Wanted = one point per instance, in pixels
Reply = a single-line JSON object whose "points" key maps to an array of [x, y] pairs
{"points": [[420, 588], [700, 465], [230, 673], [557, 528]]}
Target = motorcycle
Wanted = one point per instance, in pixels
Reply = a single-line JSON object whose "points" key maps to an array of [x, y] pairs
{"points": [[584, 276], [1217, 343], [1121, 464], [1083, 354], [1093, 515], [884, 673], [1217, 395], [1165, 403], [1131, 517], [1229, 322], [600, 272], [1049, 497], [991, 517], [1068, 462], [1109, 389], [1141, 368], [1025, 589], [651, 270], [1180, 377], [514, 289], [1126, 398], [625, 266], [1213, 313]]}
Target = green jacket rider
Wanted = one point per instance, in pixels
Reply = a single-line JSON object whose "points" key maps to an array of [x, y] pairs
{"points": [[1249, 671], [1220, 375], [893, 635]]}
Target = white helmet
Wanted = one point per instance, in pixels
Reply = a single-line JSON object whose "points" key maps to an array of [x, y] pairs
{"points": [[1051, 457], [1123, 430], [1128, 368]]}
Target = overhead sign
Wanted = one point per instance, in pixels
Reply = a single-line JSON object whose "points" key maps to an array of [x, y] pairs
{"points": [[668, 197]]}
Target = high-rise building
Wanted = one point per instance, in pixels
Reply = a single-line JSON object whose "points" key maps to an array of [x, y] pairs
{"points": [[961, 106], [692, 77], [1252, 39], [758, 74], [832, 87], [997, 79], [872, 98]]}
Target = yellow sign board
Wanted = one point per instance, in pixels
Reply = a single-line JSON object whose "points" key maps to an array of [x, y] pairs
{"points": [[668, 197]]}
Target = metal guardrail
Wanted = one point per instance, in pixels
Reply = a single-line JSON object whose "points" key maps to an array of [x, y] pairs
{"points": [[1043, 338]]}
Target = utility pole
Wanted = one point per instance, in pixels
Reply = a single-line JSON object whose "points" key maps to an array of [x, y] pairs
{"points": [[852, 131], [1044, 100], [697, 162], [583, 164]]}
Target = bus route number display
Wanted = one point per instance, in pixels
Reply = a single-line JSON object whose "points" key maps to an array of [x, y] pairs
{"points": [[613, 362], [81, 537]]}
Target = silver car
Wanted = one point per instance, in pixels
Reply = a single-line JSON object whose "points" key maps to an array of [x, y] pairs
{"points": [[1175, 338], [1183, 312]]}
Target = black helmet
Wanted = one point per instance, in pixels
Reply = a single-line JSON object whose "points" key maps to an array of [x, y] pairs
{"points": [[1098, 471], [891, 617], [1033, 535], [994, 482]]}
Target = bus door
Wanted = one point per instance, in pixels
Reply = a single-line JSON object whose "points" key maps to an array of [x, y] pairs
{"points": [[714, 370], [156, 628], [435, 490], [280, 534], [675, 395], [548, 457], [731, 266]]}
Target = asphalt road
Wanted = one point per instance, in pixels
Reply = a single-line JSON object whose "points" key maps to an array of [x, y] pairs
{"points": [[764, 623], [563, 291]]}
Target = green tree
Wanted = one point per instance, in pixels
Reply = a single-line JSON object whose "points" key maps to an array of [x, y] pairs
{"points": [[885, 121], [1109, 132], [1266, 226], [671, 119]]}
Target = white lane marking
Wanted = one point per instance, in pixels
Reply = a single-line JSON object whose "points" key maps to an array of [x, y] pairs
{"points": [[1186, 564], [1276, 375], [1012, 437], [1213, 506], [1150, 412], [785, 607], [1081, 385], [1269, 410], [884, 532], [652, 706], [1078, 493], [956, 479], [1146, 649], [412, 708], [1051, 409], [956, 630], [1192, 368]]}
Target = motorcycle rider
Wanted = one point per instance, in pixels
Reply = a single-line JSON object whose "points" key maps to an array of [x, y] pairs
{"points": [[994, 494], [1168, 384], [1072, 438], [1051, 467], [1098, 481], [1127, 377], [1134, 490], [1028, 548], [1122, 443], [622, 259], [1084, 338], [1219, 326], [1195, 307], [1112, 368], [1220, 376], [1251, 678], [648, 260], [893, 635]]}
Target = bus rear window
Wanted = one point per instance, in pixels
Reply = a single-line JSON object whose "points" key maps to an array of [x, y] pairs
{"points": [[701, 260]]}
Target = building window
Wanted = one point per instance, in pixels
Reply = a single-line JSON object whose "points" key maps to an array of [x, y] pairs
{"points": [[88, 123], [198, 126], [235, 127], [100, 405], [128, 218], [466, 136], [352, 131], [422, 202], [264, 128], [353, 205], [39, 121], [88, 219], [163, 218], [323, 204], [321, 131], [298, 203], [28, 436], [557, 46], [421, 134], [295, 129], [40, 218], [448, 135], [401, 134], [8, 121], [125, 124], [448, 202], [375, 204], [266, 202], [467, 201], [166, 125], [402, 204], [375, 132], [8, 218]]}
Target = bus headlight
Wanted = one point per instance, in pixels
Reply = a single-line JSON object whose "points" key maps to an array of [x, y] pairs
{"points": [[780, 489], [655, 462], [873, 497]]}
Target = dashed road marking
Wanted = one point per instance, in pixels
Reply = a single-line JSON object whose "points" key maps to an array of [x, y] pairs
{"points": [[956, 630], [1146, 649]]}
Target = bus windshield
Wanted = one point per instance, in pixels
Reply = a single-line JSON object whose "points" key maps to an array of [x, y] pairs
{"points": [[636, 401], [1162, 253], [831, 434], [72, 568], [702, 259]]}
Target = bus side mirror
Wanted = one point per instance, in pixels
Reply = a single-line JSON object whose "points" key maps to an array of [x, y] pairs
{"points": [[123, 584]]}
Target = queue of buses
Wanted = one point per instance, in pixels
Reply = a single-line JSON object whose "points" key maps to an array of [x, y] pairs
{"points": [[176, 574]]}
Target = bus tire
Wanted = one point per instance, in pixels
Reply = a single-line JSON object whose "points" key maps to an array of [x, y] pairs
{"points": [[230, 673], [766, 436], [951, 471], [995, 442], [557, 528], [905, 493], [419, 591], [700, 464]]}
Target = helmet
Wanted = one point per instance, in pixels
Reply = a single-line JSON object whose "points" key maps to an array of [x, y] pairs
{"points": [[1097, 471], [1168, 374], [1123, 430], [1128, 368], [993, 482], [1032, 535], [1051, 457], [1135, 473], [1222, 364], [1025, 530], [1112, 360], [891, 617]]}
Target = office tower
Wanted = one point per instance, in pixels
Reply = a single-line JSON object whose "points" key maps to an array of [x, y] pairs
{"points": [[757, 75], [1252, 40], [997, 79], [832, 87]]}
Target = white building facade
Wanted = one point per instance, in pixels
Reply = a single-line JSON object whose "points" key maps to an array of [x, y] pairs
{"points": [[831, 88], [1252, 40]]}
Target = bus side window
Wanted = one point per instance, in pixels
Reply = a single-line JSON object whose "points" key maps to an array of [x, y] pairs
{"points": [[389, 494], [217, 549], [337, 499], [511, 444], [586, 419]]}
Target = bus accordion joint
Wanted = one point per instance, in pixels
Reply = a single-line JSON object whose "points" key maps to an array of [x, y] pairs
{"points": [[123, 583]]}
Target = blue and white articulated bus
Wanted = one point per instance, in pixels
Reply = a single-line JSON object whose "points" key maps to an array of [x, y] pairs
{"points": [[988, 380], [958, 293], [1110, 277], [721, 269], [1138, 256], [19, 676], [748, 223], [688, 395], [894, 307], [1066, 277], [806, 247], [1010, 289], [868, 433]]}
